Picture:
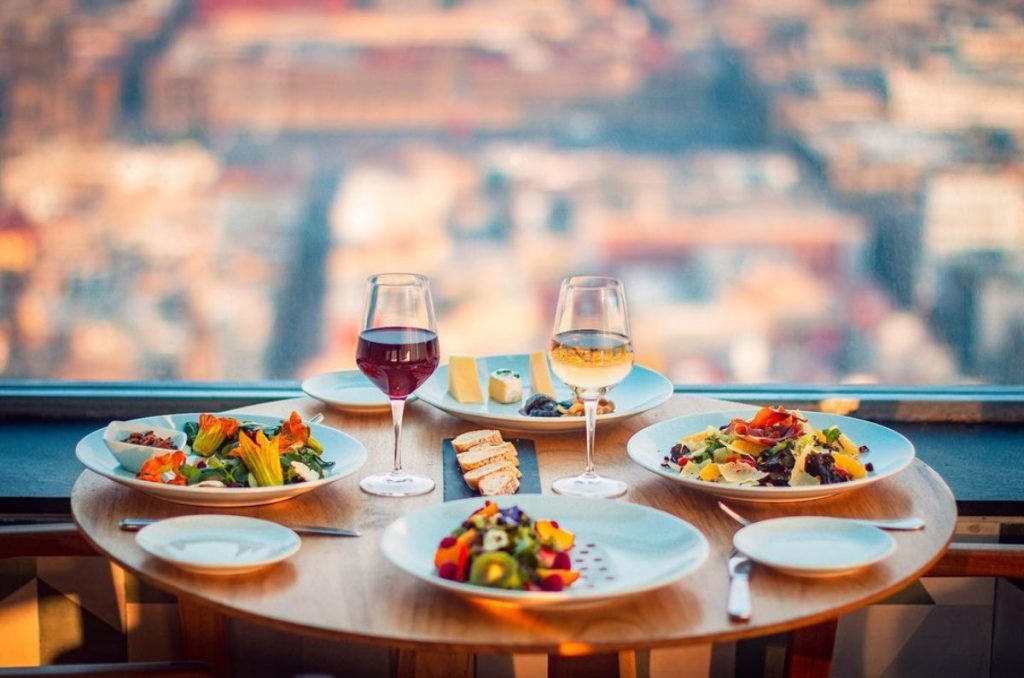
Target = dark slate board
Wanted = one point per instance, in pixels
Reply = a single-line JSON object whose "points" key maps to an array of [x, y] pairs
{"points": [[456, 488]]}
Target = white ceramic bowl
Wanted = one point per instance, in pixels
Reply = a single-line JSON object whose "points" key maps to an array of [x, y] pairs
{"points": [[131, 456]]}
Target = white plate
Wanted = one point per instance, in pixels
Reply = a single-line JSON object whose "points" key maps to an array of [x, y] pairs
{"points": [[348, 390], [642, 390], [341, 448], [889, 453], [626, 548], [814, 546], [213, 544]]}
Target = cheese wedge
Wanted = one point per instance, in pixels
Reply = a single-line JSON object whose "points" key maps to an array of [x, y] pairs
{"points": [[463, 380], [505, 386], [540, 376]]}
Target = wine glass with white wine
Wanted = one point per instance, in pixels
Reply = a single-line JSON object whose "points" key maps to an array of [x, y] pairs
{"points": [[591, 352]]}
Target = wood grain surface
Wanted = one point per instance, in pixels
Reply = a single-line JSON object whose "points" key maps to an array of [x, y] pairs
{"points": [[345, 588]]}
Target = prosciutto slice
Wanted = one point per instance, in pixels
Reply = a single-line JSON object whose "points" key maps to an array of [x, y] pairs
{"points": [[769, 426]]}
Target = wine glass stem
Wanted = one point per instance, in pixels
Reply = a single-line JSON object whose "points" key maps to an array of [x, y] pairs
{"points": [[590, 415], [397, 410]]}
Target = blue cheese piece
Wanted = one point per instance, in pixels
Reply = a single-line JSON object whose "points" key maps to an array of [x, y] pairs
{"points": [[505, 386]]}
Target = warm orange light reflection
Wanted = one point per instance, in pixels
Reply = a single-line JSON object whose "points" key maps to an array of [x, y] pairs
{"points": [[515, 614], [574, 649]]}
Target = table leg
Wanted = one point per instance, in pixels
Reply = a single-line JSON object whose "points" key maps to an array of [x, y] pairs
{"points": [[430, 664], [810, 650], [610, 665], [204, 636]]}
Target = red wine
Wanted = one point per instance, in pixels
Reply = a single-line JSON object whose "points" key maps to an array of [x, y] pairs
{"points": [[397, 359]]}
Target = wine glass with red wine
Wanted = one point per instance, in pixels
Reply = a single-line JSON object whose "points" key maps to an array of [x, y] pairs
{"points": [[397, 351]]}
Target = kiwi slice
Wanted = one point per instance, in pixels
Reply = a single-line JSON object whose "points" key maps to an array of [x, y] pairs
{"points": [[496, 569]]}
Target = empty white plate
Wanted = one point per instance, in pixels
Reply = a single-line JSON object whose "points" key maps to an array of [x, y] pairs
{"points": [[348, 390], [814, 546], [218, 544]]}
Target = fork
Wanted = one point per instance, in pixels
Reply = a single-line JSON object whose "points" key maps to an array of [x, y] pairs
{"points": [[899, 524]]}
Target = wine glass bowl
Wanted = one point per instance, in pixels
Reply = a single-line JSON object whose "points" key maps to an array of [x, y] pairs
{"points": [[591, 351], [397, 351]]}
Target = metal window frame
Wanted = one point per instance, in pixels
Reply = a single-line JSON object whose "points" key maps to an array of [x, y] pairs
{"points": [[67, 399]]}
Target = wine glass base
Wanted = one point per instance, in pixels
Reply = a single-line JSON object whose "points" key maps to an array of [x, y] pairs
{"points": [[589, 485], [396, 485]]}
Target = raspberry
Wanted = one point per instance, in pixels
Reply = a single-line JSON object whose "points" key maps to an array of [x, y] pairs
{"points": [[448, 542], [552, 582], [447, 571], [554, 524], [561, 562]]}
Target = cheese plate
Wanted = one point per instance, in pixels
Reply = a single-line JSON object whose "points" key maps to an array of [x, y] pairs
{"points": [[642, 390]]}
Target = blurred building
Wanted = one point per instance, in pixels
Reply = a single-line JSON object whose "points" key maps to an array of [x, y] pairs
{"points": [[477, 67], [798, 190]]}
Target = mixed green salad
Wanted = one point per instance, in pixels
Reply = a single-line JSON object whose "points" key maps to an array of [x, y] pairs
{"points": [[226, 452], [775, 447]]}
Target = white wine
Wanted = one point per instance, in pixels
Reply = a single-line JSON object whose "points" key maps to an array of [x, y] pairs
{"points": [[591, 361]]}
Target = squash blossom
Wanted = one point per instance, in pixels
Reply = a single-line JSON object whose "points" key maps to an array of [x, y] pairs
{"points": [[213, 430], [295, 434], [154, 468], [262, 457]]}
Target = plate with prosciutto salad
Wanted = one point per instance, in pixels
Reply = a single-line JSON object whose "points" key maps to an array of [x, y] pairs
{"points": [[207, 459], [770, 454]]}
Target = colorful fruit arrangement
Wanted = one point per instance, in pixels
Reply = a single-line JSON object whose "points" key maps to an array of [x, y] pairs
{"points": [[505, 548]]}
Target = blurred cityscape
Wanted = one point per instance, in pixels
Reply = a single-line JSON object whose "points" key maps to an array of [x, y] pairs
{"points": [[812, 191]]}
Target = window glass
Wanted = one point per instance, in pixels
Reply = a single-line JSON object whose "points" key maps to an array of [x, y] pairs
{"points": [[792, 190]]}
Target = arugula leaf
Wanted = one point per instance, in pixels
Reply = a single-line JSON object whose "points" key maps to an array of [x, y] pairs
{"points": [[832, 434]]}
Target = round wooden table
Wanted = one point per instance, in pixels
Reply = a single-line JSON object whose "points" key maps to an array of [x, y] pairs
{"points": [[346, 589]]}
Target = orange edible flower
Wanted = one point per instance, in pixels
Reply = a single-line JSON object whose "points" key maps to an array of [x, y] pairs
{"points": [[295, 433], [155, 467], [213, 431], [262, 457]]}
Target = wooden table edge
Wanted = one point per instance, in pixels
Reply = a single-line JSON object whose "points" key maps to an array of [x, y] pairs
{"points": [[741, 631]]}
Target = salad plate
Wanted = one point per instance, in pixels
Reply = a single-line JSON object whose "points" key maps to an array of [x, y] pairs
{"points": [[642, 390], [622, 549], [348, 390], [347, 453], [888, 453], [218, 544], [814, 546]]}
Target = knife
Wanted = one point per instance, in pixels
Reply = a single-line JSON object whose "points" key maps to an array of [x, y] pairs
{"points": [[739, 586], [136, 524]]}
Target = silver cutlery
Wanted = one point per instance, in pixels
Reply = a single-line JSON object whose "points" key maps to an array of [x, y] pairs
{"points": [[316, 418], [739, 586], [899, 524], [136, 524]]}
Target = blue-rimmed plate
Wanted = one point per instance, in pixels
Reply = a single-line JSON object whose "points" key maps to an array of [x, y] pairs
{"points": [[218, 544], [888, 452], [621, 549], [346, 452], [350, 391], [814, 546], [642, 390]]}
